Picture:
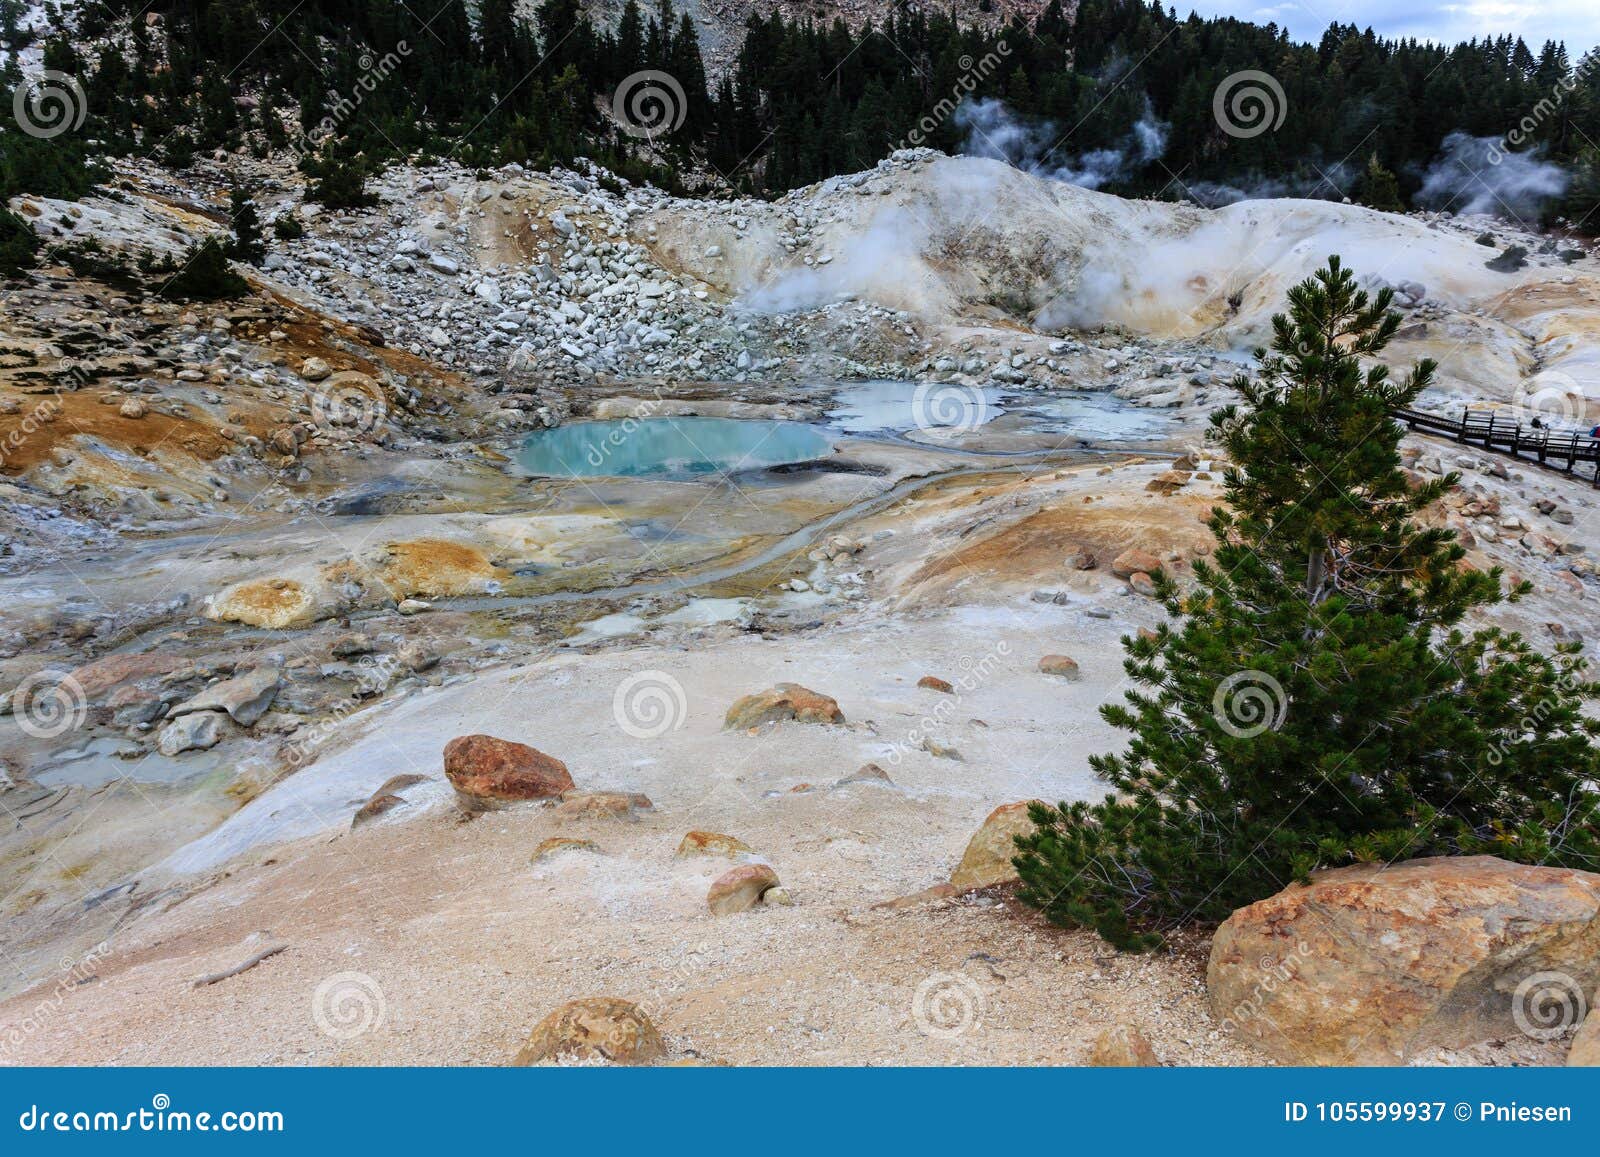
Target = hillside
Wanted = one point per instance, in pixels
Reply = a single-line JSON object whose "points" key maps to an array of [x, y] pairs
{"points": [[265, 556]]}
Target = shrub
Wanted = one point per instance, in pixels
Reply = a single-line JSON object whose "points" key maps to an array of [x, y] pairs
{"points": [[246, 245], [1315, 700], [18, 244], [202, 274]]}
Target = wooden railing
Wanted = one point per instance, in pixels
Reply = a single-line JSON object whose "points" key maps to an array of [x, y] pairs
{"points": [[1553, 449]]}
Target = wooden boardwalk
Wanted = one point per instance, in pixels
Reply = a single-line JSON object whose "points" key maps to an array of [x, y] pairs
{"points": [[1553, 449]]}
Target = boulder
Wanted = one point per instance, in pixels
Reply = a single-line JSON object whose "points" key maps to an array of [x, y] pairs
{"points": [[488, 772], [1059, 665], [987, 860], [1585, 1050], [1142, 584], [1122, 1047], [712, 844], [555, 845], [782, 704], [599, 1028], [603, 805], [315, 369], [1134, 561], [244, 697], [1369, 965], [740, 889], [193, 732], [378, 805], [866, 773], [934, 683], [398, 783]]}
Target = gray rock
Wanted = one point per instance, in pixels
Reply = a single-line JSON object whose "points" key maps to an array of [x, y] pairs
{"points": [[193, 732], [244, 697]]}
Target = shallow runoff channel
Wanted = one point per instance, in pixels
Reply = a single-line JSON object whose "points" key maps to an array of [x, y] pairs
{"points": [[795, 542]]}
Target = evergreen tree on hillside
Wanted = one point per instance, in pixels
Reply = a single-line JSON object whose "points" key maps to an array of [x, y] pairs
{"points": [[1377, 188], [202, 274], [486, 83], [628, 57], [247, 244], [339, 182], [1315, 700], [18, 244]]}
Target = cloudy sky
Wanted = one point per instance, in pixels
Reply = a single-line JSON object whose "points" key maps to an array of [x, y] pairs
{"points": [[1575, 21]]}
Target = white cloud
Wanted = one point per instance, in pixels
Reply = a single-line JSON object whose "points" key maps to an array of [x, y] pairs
{"points": [[1575, 21]]}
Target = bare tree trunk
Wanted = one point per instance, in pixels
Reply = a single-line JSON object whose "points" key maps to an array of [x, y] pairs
{"points": [[1316, 570]]}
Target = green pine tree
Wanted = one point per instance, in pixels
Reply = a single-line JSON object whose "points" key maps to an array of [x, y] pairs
{"points": [[202, 274], [246, 244], [337, 182], [18, 244], [1315, 700], [1378, 189]]}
